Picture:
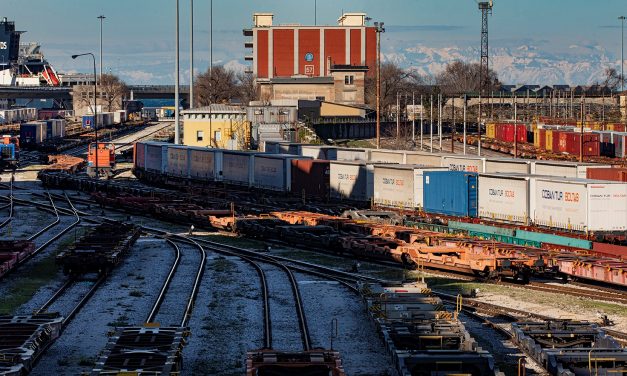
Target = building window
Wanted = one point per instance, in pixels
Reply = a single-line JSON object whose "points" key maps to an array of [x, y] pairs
{"points": [[200, 135], [348, 80], [217, 135]]}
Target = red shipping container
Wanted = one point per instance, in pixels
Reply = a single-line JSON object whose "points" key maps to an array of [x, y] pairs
{"points": [[521, 133], [562, 142], [607, 173], [591, 147], [542, 140], [610, 250], [310, 176], [556, 141]]}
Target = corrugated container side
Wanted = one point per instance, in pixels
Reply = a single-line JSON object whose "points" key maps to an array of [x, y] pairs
{"points": [[560, 204], [423, 159], [607, 206], [548, 142], [140, 155], [505, 166], [156, 157], [313, 151], [349, 154], [504, 198], [238, 168], [609, 173], [178, 161], [451, 193], [352, 181], [467, 164], [394, 187], [205, 164], [386, 156], [311, 177]]}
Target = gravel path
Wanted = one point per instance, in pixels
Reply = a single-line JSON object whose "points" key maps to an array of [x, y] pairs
{"points": [[227, 319], [125, 298], [360, 348]]}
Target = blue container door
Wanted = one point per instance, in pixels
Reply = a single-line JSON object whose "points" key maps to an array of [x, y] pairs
{"points": [[472, 195]]}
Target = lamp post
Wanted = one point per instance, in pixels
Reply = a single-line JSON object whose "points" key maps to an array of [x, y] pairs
{"points": [[95, 106], [379, 29], [191, 55], [177, 131], [101, 18], [622, 59]]}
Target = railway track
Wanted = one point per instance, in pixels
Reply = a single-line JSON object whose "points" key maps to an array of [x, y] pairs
{"points": [[10, 206]]}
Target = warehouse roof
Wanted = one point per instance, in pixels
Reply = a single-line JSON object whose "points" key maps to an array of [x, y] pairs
{"points": [[216, 108]]}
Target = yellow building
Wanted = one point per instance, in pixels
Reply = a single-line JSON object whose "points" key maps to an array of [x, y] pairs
{"points": [[219, 126]]}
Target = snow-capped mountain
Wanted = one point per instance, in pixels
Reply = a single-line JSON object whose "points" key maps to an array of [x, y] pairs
{"points": [[524, 64]]}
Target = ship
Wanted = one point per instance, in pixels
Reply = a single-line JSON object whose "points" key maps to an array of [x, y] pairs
{"points": [[23, 64]]}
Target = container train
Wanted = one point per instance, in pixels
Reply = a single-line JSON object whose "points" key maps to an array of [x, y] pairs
{"points": [[549, 194]]}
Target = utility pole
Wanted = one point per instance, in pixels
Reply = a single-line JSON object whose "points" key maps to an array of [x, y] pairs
{"points": [[398, 118], [379, 29], [431, 126], [101, 18], [622, 58], [413, 117], [421, 118], [191, 55], [440, 120], [479, 129], [581, 130], [177, 131], [486, 8], [453, 129], [465, 105], [515, 128]]}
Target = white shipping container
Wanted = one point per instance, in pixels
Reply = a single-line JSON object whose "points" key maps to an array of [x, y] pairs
{"points": [[400, 186], [386, 156], [318, 152], [507, 165], [351, 180], [119, 116], [425, 159], [205, 163], [140, 155], [579, 204], [350, 154], [563, 168], [177, 164], [504, 198], [464, 163], [238, 167], [156, 156]]}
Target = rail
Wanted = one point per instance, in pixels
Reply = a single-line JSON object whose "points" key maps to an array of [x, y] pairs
{"points": [[10, 217], [166, 283], [48, 227]]}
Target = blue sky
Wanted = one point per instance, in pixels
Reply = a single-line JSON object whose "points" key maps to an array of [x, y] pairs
{"points": [[139, 34]]}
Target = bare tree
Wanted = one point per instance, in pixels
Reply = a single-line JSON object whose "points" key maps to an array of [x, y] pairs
{"points": [[112, 91], [394, 79], [220, 86], [247, 87], [460, 77], [612, 79]]}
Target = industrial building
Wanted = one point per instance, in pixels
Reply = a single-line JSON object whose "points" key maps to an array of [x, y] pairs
{"points": [[218, 126], [328, 63]]}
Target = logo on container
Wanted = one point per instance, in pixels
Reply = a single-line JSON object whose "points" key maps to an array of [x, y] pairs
{"points": [[560, 196], [346, 177], [462, 167], [501, 192], [390, 181]]}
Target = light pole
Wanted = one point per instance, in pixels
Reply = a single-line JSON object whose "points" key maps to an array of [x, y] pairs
{"points": [[379, 29], [177, 131], [191, 55], [101, 18], [622, 45], [95, 107]]}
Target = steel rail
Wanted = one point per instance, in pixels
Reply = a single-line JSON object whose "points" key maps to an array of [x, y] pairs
{"points": [[166, 283], [10, 217], [55, 222]]}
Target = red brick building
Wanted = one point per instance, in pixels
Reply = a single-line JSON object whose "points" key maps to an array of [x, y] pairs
{"points": [[301, 52]]}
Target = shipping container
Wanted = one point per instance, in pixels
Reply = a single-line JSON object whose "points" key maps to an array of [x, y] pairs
{"points": [[400, 186], [508, 165], [609, 173], [319, 152], [119, 116], [506, 132], [548, 142], [350, 154], [351, 180], [270, 146], [139, 155], [562, 142], [425, 159], [178, 161], [156, 156], [273, 171], [464, 163], [205, 163], [504, 197], [563, 168], [386, 156], [451, 193], [591, 146], [32, 133], [310, 177], [490, 130], [579, 204], [238, 167], [291, 148], [88, 121], [107, 118]]}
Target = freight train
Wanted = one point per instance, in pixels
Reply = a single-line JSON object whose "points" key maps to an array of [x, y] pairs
{"points": [[547, 194]]}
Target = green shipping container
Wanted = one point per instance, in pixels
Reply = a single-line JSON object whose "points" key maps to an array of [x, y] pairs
{"points": [[554, 239]]}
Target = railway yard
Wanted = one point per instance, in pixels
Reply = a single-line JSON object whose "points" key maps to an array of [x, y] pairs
{"points": [[166, 275]]}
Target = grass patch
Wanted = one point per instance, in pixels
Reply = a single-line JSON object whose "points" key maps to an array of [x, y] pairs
{"points": [[120, 321], [40, 274], [136, 293], [359, 144], [86, 362]]}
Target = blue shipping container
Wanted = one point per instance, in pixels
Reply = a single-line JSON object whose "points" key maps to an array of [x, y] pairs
{"points": [[88, 121], [451, 193]]}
